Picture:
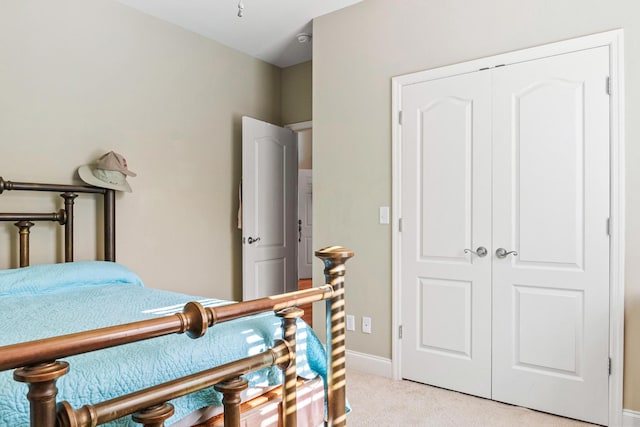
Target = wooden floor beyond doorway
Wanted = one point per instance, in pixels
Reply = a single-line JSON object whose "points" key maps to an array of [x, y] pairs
{"points": [[308, 310]]}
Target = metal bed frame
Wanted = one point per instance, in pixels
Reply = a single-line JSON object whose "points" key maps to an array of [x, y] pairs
{"points": [[38, 363]]}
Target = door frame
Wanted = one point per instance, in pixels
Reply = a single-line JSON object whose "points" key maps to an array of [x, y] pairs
{"points": [[614, 40], [299, 127]]}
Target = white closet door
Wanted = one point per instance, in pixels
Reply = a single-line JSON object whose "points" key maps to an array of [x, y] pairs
{"points": [[446, 205], [551, 206]]}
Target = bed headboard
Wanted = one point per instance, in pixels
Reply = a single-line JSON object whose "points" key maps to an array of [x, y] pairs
{"points": [[63, 217]]}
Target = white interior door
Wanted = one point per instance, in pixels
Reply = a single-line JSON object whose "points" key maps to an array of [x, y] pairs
{"points": [[515, 158], [305, 223], [269, 181], [551, 205], [446, 293]]}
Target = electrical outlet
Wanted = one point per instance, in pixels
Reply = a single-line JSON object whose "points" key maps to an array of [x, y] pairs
{"points": [[351, 322], [366, 325]]}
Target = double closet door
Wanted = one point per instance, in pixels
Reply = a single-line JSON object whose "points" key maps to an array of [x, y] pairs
{"points": [[505, 245]]}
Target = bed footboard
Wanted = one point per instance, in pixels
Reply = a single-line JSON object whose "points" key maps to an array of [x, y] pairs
{"points": [[38, 362]]}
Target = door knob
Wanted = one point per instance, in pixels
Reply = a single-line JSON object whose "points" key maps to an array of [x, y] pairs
{"points": [[481, 251], [503, 253], [253, 240]]}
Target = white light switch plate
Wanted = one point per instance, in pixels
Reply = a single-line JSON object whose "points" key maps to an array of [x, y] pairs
{"points": [[384, 214], [351, 322]]}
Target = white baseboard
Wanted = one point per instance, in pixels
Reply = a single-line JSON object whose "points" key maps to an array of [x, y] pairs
{"points": [[370, 364], [630, 418]]}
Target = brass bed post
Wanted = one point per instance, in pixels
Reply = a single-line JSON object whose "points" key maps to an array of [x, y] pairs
{"points": [[68, 225], [109, 225], [334, 258], [289, 393], [24, 227]]}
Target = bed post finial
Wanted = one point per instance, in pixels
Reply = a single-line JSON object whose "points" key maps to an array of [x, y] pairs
{"points": [[154, 416], [42, 390], [334, 258], [231, 390]]}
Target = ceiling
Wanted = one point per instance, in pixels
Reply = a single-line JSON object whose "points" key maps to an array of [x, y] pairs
{"points": [[267, 30]]}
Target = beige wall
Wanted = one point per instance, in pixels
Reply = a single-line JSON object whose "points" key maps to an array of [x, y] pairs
{"points": [[305, 149], [78, 78], [296, 93], [352, 73]]}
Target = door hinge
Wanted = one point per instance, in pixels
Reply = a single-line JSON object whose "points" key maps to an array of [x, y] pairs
{"points": [[609, 366], [400, 117], [400, 331], [608, 226], [608, 85], [400, 225]]}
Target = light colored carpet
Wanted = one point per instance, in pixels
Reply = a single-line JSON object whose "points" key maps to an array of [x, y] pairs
{"points": [[378, 401]]}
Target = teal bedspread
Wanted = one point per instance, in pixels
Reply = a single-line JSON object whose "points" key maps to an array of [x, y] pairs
{"points": [[49, 300]]}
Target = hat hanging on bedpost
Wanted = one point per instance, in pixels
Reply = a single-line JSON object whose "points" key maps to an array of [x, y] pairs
{"points": [[109, 171]]}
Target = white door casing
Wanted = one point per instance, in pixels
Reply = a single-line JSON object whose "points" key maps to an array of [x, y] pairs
{"points": [[269, 209], [305, 223], [613, 156], [448, 154]]}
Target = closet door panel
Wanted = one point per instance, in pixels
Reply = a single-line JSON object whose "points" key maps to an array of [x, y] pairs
{"points": [[548, 135], [446, 205], [551, 206]]}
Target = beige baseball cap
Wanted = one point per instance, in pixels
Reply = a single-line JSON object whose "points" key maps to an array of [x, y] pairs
{"points": [[109, 171]]}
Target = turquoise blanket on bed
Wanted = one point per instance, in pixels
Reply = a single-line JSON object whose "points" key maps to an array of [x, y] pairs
{"points": [[49, 300]]}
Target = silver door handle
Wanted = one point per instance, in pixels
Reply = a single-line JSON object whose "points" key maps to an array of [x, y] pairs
{"points": [[252, 240], [503, 253], [481, 251]]}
